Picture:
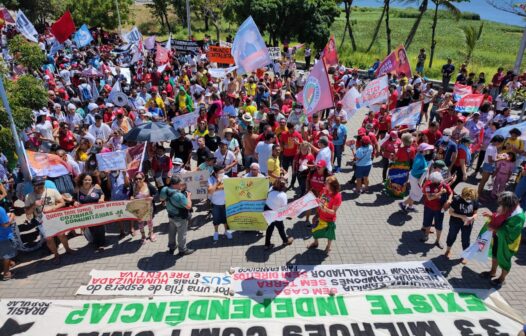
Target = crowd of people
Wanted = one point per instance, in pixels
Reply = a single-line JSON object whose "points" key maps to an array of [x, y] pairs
{"points": [[253, 126]]}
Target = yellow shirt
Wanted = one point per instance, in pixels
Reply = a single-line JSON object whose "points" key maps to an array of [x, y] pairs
{"points": [[251, 109], [273, 166], [510, 144], [159, 101], [251, 89]]}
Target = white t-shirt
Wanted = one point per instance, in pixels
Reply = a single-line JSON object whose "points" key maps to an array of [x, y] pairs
{"points": [[218, 197], [276, 199], [66, 76], [103, 132], [264, 151], [492, 152], [225, 160], [46, 129], [325, 154]]}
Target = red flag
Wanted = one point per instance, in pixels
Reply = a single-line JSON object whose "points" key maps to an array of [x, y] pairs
{"points": [[330, 55], [161, 55], [396, 62], [63, 27], [317, 93], [469, 103], [6, 16]]}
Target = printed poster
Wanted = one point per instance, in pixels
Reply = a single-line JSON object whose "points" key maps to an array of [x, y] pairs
{"points": [[196, 183], [407, 115], [396, 63], [376, 92], [221, 55], [274, 52], [111, 161], [293, 209], [245, 202], [185, 120]]}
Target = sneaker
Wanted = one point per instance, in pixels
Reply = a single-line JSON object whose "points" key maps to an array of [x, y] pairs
{"points": [[411, 208], [228, 234], [186, 252], [171, 251], [402, 206], [216, 236]]}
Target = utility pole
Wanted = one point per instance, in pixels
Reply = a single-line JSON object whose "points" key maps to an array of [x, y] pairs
{"points": [[118, 16], [518, 60], [188, 18]]}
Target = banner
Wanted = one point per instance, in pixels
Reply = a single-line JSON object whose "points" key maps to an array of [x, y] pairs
{"points": [[162, 55], [55, 47], [163, 283], [225, 44], [185, 120], [469, 103], [6, 16], [95, 214], [133, 36], [407, 115], [44, 164], [25, 27], [221, 73], [330, 55], [396, 62], [111, 161], [274, 53], [293, 209], [249, 50], [317, 92], [376, 92], [63, 27], [460, 91], [134, 158], [343, 279], [220, 55], [196, 183], [351, 102], [185, 46], [83, 36], [245, 201], [381, 313], [149, 42]]}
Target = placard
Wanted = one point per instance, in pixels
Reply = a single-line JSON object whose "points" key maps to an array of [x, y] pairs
{"points": [[220, 55], [293, 209], [274, 52], [185, 120], [245, 201], [111, 161], [196, 183]]}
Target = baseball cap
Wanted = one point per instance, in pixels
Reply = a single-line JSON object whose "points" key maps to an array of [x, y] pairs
{"points": [[425, 146], [178, 162], [439, 164], [447, 132], [366, 140], [321, 164], [362, 131], [92, 106], [38, 180]]}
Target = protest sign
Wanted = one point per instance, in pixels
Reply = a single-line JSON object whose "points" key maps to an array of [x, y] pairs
{"points": [[274, 53], [111, 161], [221, 73], [164, 283], [225, 44], [45, 164], [196, 183], [293, 209], [330, 55], [317, 92], [220, 55], [376, 92], [133, 36], [470, 103], [249, 50], [245, 201], [134, 158], [185, 120], [25, 27], [95, 214], [185, 46], [337, 279], [407, 115], [396, 62], [351, 102], [412, 312]]}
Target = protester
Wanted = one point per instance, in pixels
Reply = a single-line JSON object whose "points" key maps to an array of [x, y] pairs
{"points": [[364, 162], [416, 175], [216, 193], [276, 200], [7, 247], [437, 198], [143, 190], [89, 191]]}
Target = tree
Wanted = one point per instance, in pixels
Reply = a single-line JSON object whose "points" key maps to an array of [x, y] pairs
{"points": [[348, 24], [159, 8], [37, 11], [26, 53], [471, 37], [377, 29], [180, 11], [212, 12], [421, 11], [387, 27], [450, 7], [98, 13]]}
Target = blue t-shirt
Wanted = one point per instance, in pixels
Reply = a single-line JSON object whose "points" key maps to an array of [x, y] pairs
{"points": [[419, 166], [176, 200], [341, 132], [6, 233], [446, 148], [364, 156]]}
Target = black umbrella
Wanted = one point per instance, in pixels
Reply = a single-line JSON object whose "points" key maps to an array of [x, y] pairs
{"points": [[152, 132]]}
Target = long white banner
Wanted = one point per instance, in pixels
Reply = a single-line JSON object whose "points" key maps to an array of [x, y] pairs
{"points": [[163, 283], [335, 279], [293, 209], [381, 313], [185, 120]]}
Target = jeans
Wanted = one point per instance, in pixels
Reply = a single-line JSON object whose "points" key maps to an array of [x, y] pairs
{"points": [[281, 230], [454, 228], [338, 152], [302, 181], [177, 227]]}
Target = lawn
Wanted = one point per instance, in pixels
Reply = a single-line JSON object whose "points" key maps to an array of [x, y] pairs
{"points": [[497, 46]]}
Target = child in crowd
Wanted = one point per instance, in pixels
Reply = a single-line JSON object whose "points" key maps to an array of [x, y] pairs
{"points": [[505, 167]]}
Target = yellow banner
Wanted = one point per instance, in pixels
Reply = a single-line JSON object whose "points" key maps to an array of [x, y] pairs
{"points": [[245, 201]]}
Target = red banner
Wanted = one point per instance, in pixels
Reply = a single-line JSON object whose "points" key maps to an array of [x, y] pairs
{"points": [[330, 55], [397, 63], [63, 27], [469, 103], [221, 55], [459, 91]]}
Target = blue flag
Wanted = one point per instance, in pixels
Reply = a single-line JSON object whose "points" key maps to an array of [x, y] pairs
{"points": [[55, 47], [249, 49], [83, 37]]}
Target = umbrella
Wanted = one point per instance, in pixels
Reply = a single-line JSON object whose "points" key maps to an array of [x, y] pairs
{"points": [[152, 132], [91, 72]]}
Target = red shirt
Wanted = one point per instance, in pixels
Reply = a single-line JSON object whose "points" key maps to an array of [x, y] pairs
{"points": [[384, 122], [390, 147], [448, 120], [405, 154], [431, 188], [330, 201], [67, 141], [393, 100], [461, 154], [432, 138], [317, 182], [300, 158], [374, 122], [290, 147]]}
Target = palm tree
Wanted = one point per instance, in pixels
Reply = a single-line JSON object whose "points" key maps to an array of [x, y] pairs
{"points": [[348, 25], [422, 10], [471, 37], [377, 29], [450, 7]]}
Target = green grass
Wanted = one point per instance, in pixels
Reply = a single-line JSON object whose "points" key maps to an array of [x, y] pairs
{"points": [[497, 47]]}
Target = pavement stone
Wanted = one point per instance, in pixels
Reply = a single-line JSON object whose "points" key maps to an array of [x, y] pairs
{"points": [[370, 229]]}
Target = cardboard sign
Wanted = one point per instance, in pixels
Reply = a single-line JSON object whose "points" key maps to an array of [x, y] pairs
{"points": [[196, 183], [245, 201], [220, 55], [274, 53], [111, 161]]}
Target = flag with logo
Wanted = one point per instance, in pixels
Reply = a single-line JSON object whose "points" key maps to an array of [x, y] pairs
{"points": [[469, 103], [161, 55], [63, 27], [25, 27], [83, 36], [134, 159], [249, 50], [44, 164], [351, 102], [407, 115], [133, 36], [317, 92], [460, 91], [376, 92], [55, 47], [330, 55], [396, 62]]}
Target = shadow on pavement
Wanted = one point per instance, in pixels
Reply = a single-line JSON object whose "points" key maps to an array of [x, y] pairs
{"points": [[410, 244], [399, 218], [157, 262], [309, 257], [240, 238]]}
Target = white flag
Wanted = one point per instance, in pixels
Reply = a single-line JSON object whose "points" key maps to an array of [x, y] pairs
{"points": [[169, 43], [116, 87], [133, 36], [25, 27], [351, 102]]}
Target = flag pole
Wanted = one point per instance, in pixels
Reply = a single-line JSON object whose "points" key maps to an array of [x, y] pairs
{"points": [[118, 16], [19, 150], [188, 19]]}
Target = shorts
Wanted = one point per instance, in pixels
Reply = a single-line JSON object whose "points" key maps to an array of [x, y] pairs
{"points": [[7, 249], [362, 171], [218, 214], [436, 216], [416, 191], [488, 168]]}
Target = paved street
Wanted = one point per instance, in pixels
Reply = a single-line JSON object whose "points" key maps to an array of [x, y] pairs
{"points": [[370, 229]]}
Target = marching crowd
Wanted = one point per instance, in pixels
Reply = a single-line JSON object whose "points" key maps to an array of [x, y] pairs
{"points": [[253, 126]]}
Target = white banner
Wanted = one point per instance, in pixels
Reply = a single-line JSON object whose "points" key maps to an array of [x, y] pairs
{"points": [[225, 44], [407, 115], [274, 53], [196, 183], [293, 209], [351, 102], [133, 36], [163, 283], [379, 313], [25, 27], [185, 120], [376, 92], [111, 161], [221, 73], [335, 279]]}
